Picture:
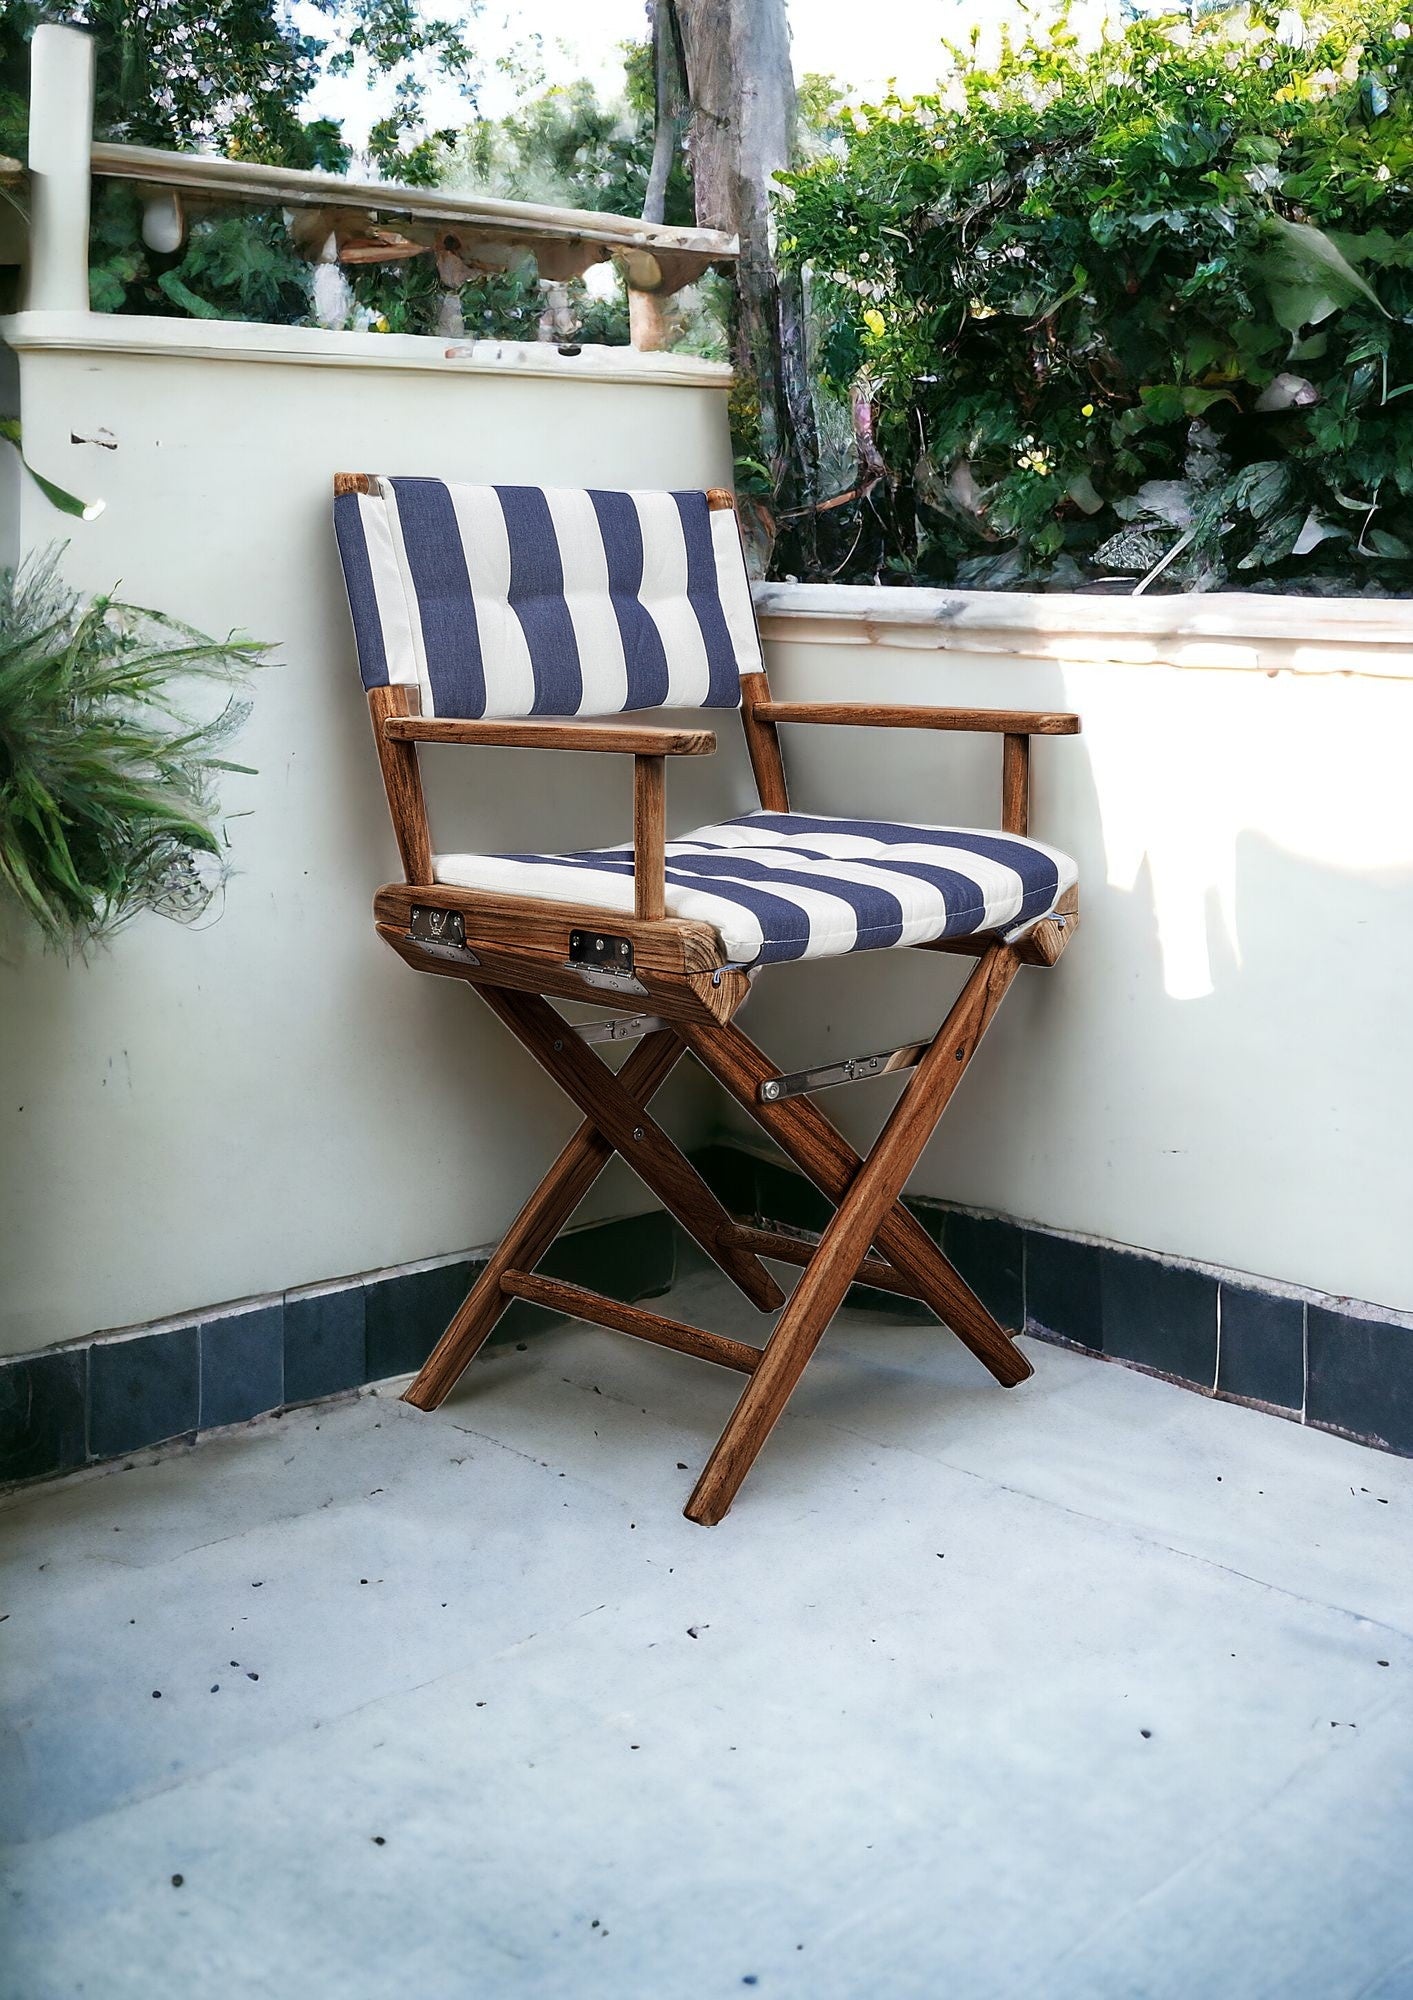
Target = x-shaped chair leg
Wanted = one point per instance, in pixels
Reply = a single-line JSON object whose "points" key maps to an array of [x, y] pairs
{"points": [[579, 1165], [615, 1120], [867, 1210], [822, 1153]]}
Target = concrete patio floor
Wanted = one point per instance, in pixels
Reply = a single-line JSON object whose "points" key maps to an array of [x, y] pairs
{"points": [[1092, 1689]]}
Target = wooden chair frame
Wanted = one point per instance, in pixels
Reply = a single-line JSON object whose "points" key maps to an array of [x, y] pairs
{"points": [[516, 950]]}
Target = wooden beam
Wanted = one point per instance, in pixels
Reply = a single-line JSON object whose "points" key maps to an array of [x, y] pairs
{"points": [[632, 739], [763, 744], [402, 780], [638, 1137], [870, 1198], [881, 715], [649, 839], [578, 1303], [1015, 783], [579, 1165], [292, 187]]}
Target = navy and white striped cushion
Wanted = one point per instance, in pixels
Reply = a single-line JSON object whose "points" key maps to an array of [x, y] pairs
{"points": [[797, 885], [529, 600]]}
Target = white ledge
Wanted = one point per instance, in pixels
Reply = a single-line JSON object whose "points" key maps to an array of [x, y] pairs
{"points": [[1223, 630], [242, 340]]}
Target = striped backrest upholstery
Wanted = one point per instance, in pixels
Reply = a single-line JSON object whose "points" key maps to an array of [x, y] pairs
{"points": [[530, 600]]}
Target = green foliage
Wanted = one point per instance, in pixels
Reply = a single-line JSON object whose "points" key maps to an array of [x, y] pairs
{"points": [[1145, 302], [106, 783], [232, 76], [569, 147]]}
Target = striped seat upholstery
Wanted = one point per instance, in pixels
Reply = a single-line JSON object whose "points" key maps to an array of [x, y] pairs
{"points": [[503, 601], [798, 885]]}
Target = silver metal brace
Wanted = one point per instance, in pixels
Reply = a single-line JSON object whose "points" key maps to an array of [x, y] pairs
{"points": [[853, 1069], [619, 1028]]}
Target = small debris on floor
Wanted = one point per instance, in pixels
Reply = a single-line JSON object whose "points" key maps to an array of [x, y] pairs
{"points": [[1145, 1734], [177, 1881], [379, 1840], [156, 1694], [250, 1676]]}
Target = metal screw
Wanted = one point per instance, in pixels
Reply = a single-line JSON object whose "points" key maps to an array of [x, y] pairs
{"points": [[716, 979], [557, 1047], [598, 944], [770, 1091], [637, 1131], [623, 949]]}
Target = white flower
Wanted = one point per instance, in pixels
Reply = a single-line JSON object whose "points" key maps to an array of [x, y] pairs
{"points": [[1290, 29], [1383, 174], [1401, 31]]}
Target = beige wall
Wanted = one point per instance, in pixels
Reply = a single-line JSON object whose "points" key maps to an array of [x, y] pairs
{"points": [[272, 1099], [1221, 1067]]}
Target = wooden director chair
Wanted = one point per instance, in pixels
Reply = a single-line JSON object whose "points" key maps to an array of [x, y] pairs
{"points": [[508, 615]]}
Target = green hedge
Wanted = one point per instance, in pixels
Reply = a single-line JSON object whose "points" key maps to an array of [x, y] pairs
{"points": [[1147, 303]]}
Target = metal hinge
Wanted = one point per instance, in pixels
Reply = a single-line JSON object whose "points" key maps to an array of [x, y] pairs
{"points": [[601, 951], [619, 1028], [442, 932], [853, 1069]]}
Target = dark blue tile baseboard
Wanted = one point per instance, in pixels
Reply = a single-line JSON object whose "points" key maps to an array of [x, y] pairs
{"points": [[1333, 1363], [122, 1392]]}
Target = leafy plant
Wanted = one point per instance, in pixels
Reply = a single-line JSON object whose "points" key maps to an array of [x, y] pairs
{"points": [[1141, 309], [107, 796]]}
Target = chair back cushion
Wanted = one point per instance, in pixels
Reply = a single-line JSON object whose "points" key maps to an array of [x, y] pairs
{"points": [[537, 600]]}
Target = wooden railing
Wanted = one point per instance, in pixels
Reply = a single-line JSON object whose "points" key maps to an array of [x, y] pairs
{"points": [[354, 222]]}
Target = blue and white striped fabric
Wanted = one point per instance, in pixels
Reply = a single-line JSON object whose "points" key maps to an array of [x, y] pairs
{"points": [[525, 600], [797, 885]]}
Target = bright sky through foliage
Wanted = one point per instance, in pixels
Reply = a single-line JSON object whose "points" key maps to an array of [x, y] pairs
{"points": [[579, 39]]}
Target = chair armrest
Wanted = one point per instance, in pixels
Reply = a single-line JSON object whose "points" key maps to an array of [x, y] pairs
{"points": [[875, 715], [631, 740]]}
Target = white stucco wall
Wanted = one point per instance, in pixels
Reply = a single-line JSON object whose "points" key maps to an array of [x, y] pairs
{"points": [[1221, 1066], [272, 1099]]}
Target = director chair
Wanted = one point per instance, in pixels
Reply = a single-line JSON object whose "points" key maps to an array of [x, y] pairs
{"points": [[507, 615]]}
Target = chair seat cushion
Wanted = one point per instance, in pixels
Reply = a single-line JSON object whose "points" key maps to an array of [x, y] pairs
{"points": [[798, 885]]}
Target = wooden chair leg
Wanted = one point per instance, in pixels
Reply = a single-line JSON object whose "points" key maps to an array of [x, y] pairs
{"points": [[579, 1165], [869, 1199], [824, 1156], [642, 1143]]}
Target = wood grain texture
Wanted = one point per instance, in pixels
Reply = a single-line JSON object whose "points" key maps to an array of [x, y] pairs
{"points": [[629, 739], [1015, 783], [642, 1142], [649, 838], [353, 482], [531, 927], [539, 1222], [880, 715], [783, 1249], [679, 1000], [871, 1195], [824, 1156], [402, 780], [763, 745], [579, 1303], [718, 499]]}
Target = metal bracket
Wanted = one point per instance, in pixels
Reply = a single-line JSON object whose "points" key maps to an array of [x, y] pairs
{"points": [[619, 1028], [601, 951], [430, 926], [853, 1069], [605, 960], [441, 933]]}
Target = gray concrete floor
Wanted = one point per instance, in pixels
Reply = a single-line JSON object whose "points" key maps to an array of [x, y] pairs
{"points": [[1096, 1688]]}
